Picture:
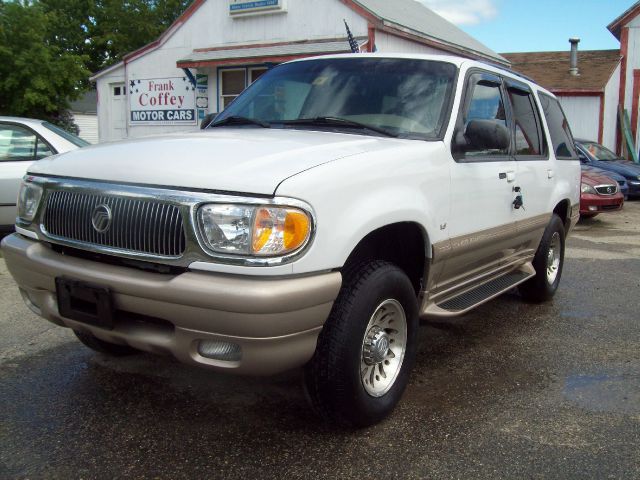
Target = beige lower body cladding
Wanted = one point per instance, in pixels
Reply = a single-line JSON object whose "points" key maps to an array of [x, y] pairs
{"points": [[276, 322]]}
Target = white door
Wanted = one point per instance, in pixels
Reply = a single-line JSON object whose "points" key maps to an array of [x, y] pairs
{"points": [[535, 167], [118, 111], [481, 227]]}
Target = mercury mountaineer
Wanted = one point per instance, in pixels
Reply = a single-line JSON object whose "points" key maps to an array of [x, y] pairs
{"points": [[332, 205]]}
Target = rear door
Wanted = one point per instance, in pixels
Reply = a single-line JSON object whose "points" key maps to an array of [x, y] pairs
{"points": [[535, 170]]}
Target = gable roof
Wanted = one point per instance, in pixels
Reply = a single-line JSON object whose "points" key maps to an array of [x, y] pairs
{"points": [[87, 103], [414, 18], [405, 17], [616, 26], [551, 69]]}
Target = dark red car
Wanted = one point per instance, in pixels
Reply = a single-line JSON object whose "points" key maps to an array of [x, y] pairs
{"points": [[598, 194]]}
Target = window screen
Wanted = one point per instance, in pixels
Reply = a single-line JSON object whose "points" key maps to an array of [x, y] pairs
{"points": [[527, 124], [558, 128]]}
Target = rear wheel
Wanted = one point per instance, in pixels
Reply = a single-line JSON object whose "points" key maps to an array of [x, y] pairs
{"points": [[101, 346], [548, 263], [367, 347]]}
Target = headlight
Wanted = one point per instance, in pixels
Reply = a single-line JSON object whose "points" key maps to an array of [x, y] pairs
{"points": [[584, 188], [28, 200], [264, 231]]}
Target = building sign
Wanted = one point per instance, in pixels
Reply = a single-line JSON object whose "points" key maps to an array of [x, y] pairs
{"points": [[237, 7], [202, 95], [162, 101]]}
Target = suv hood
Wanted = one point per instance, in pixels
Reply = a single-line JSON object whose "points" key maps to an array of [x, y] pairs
{"points": [[243, 160]]}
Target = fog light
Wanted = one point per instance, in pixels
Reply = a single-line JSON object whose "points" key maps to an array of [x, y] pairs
{"points": [[593, 208], [29, 303], [218, 350]]}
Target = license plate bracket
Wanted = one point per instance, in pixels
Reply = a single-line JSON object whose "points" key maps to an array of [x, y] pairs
{"points": [[85, 302]]}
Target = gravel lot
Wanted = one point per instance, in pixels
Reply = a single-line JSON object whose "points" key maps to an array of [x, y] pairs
{"points": [[509, 391]]}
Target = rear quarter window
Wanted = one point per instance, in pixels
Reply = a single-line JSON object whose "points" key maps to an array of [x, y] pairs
{"points": [[559, 131]]}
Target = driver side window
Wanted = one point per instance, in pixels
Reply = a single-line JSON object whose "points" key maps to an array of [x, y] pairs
{"points": [[486, 104]]}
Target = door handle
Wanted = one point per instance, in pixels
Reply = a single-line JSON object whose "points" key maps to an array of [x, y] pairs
{"points": [[509, 175], [550, 173]]}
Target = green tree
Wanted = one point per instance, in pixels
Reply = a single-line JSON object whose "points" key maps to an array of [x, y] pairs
{"points": [[106, 30], [49, 48], [38, 78]]}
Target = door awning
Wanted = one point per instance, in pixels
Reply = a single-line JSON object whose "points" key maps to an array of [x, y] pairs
{"points": [[265, 53]]}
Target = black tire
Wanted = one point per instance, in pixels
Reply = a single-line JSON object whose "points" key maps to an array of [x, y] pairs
{"points": [[113, 349], [333, 377], [539, 288]]}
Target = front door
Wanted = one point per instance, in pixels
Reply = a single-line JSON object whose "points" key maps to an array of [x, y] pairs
{"points": [[481, 227]]}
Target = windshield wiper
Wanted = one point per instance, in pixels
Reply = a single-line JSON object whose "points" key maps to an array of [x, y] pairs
{"points": [[337, 121], [239, 120]]}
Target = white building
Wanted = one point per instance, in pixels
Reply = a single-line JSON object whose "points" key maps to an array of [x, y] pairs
{"points": [[85, 116], [218, 47]]}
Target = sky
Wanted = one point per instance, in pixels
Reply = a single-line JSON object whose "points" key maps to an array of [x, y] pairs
{"points": [[534, 25]]}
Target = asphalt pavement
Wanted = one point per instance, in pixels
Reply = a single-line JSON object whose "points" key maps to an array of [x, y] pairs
{"points": [[511, 390]]}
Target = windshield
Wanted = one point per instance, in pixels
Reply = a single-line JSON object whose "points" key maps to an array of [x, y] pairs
{"points": [[408, 98], [599, 152], [77, 141]]}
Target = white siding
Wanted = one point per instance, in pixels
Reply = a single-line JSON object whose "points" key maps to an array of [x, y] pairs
{"points": [[583, 115], [633, 60], [88, 124], [386, 42], [211, 26], [611, 98]]}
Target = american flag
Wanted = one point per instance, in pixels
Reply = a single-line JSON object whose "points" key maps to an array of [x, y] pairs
{"points": [[355, 48]]}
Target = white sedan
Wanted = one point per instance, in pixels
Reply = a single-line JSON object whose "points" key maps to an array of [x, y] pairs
{"points": [[23, 141]]}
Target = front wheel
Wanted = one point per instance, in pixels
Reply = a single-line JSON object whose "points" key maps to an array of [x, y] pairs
{"points": [[367, 347], [548, 263]]}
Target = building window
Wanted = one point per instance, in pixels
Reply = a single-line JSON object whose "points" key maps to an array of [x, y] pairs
{"points": [[120, 90], [234, 80]]}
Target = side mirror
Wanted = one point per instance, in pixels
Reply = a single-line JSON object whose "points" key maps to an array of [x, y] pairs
{"points": [[207, 120], [483, 135]]}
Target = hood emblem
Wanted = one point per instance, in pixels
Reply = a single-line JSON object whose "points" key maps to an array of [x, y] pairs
{"points": [[101, 218]]}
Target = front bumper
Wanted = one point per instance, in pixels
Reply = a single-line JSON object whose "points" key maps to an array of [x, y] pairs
{"points": [[275, 322], [594, 204]]}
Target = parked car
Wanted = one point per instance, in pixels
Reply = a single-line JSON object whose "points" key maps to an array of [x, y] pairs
{"points": [[623, 186], [22, 141], [334, 203], [599, 193], [596, 155]]}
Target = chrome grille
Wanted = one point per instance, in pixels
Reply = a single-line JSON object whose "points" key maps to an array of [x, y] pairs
{"points": [[144, 226], [606, 189]]}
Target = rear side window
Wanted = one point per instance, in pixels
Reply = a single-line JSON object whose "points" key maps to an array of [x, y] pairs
{"points": [[528, 130], [558, 128]]}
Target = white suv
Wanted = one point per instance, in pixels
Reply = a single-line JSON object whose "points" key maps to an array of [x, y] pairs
{"points": [[334, 203]]}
